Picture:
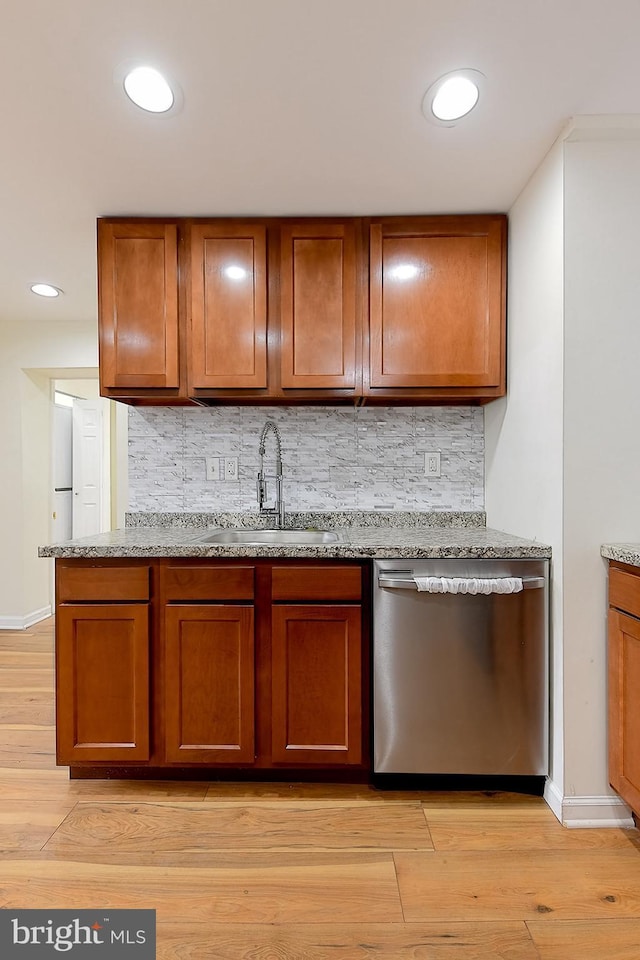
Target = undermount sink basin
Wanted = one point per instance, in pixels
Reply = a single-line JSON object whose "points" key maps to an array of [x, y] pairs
{"points": [[304, 537]]}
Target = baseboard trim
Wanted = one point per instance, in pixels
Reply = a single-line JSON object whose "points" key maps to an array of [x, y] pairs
{"points": [[582, 812], [553, 796], [23, 623]]}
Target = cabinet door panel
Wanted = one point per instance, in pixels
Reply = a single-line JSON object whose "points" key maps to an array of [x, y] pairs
{"points": [[316, 685], [228, 306], [209, 685], [102, 682], [437, 303], [318, 305], [138, 305], [624, 716]]}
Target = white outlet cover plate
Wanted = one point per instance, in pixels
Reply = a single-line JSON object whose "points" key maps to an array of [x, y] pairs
{"points": [[432, 464]]}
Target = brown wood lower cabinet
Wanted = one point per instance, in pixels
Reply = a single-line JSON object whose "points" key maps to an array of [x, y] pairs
{"points": [[209, 700], [229, 664], [624, 683], [102, 682], [316, 680]]}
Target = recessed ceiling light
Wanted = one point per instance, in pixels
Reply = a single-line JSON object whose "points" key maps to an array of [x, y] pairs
{"points": [[452, 96], [149, 90], [45, 290], [455, 98]]}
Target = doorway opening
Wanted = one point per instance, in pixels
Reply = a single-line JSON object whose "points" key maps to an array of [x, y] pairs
{"points": [[81, 458], [88, 493]]}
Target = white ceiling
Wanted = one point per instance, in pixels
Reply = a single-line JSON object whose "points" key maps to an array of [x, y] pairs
{"points": [[290, 107]]}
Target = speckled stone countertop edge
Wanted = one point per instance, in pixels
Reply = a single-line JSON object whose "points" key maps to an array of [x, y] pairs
{"points": [[622, 552], [478, 552], [355, 543], [309, 519]]}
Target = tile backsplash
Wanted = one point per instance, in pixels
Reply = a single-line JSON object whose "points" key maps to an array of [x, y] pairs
{"points": [[361, 458]]}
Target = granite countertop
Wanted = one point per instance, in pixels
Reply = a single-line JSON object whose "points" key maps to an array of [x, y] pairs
{"points": [[375, 535], [623, 552]]}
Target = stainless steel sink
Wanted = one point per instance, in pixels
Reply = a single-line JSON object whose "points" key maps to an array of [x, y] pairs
{"points": [[239, 535]]}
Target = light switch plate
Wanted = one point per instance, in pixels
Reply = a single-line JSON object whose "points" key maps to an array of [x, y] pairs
{"points": [[213, 468]]}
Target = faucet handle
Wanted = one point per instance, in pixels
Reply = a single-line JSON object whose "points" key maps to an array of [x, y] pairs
{"points": [[261, 490]]}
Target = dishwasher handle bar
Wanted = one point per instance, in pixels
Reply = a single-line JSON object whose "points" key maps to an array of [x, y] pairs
{"points": [[406, 583]]}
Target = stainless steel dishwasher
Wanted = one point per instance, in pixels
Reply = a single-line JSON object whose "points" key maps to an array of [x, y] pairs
{"points": [[460, 682]]}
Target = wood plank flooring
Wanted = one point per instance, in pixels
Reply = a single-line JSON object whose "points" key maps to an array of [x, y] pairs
{"points": [[301, 871]]}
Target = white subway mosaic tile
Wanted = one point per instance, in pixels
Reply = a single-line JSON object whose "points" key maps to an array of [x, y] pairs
{"points": [[333, 458]]}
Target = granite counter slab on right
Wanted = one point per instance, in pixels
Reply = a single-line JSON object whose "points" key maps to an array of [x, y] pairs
{"points": [[622, 552]]}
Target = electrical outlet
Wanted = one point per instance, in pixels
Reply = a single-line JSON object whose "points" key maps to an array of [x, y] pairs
{"points": [[212, 465], [231, 468], [432, 464]]}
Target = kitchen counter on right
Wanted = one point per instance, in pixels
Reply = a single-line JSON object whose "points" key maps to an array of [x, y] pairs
{"points": [[622, 552]]}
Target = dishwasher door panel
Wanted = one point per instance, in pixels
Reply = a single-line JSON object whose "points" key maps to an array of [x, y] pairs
{"points": [[460, 682]]}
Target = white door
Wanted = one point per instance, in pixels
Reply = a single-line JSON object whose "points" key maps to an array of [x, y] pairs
{"points": [[87, 467], [62, 474]]}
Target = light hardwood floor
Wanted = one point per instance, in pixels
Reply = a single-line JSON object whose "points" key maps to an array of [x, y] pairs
{"points": [[301, 872]]}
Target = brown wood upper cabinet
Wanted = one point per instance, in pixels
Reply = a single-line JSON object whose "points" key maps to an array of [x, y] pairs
{"points": [[275, 310], [138, 310], [319, 302], [228, 266], [437, 307]]}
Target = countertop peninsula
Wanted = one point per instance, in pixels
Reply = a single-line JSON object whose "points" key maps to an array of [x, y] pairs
{"points": [[622, 552], [372, 534]]}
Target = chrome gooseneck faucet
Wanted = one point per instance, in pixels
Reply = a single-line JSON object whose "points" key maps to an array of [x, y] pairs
{"points": [[277, 511]]}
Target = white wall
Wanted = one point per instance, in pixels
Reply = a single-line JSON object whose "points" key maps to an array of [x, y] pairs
{"points": [[563, 449], [602, 437], [523, 432], [25, 354], [36, 486]]}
